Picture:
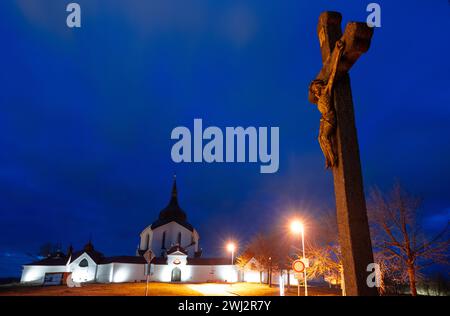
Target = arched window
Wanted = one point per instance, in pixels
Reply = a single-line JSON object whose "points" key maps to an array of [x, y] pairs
{"points": [[147, 241], [83, 263], [176, 275], [163, 243], [179, 239]]}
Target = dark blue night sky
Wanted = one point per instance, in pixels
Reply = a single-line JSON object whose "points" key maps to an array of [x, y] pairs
{"points": [[86, 115]]}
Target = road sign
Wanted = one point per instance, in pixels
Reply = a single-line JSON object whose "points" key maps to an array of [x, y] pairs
{"points": [[298, 276], [148, 255], [298, 266]]}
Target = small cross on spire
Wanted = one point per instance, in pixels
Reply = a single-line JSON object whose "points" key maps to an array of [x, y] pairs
{"points": [[174, 186]]}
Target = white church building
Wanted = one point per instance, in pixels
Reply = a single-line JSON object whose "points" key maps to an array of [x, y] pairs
{"points": [[170, 243]]}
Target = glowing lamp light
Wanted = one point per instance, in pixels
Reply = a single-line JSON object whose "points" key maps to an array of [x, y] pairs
{"points": [[296, 227], [231, 247]]}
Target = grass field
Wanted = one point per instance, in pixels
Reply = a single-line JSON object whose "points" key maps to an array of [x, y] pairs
{"points": [[158, 289]]}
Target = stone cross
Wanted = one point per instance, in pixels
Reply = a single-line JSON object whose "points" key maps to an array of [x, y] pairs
{"points": [[353, 227]]}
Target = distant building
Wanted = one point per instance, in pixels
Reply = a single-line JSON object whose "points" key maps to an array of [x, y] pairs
{"points": [[170, 242]]}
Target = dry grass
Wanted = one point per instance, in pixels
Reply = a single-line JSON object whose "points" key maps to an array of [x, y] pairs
{"points": [[122, 289], [255, 289]]}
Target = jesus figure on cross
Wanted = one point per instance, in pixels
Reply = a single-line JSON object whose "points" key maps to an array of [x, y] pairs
{"points": [[331, 91], [322, 92]]}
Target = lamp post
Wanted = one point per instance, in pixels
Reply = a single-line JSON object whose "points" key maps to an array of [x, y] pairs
{"points": [[231, 248], [270, 272], [297, 228]]}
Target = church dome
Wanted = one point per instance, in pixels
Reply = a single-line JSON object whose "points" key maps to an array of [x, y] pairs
{"points": [[172, 212]]}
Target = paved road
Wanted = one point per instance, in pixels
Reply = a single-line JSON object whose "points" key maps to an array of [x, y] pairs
{"points": [[212, 289]]}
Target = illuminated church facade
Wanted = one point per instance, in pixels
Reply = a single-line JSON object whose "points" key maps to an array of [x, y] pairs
{"points": [[170, 244]]}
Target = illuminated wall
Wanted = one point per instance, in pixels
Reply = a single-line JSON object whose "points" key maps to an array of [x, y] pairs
{"points": [[34, 275], [81, 273], [105, 273], [128, 272], [200, 273], [84, 269]]}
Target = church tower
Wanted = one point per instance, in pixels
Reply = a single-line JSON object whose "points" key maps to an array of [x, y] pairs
{"points": [[169, 230]]}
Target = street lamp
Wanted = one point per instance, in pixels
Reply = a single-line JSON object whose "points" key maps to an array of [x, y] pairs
{"points": [[231, 248], [298, 229], [296, 226]]}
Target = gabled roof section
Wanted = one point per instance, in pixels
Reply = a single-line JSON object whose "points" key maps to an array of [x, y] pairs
{"points": [[175, 249], [90, 251], [159, 223]]}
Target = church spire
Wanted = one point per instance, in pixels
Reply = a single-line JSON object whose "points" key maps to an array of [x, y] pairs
{"points": [[70, 251], [173, 211], [174, 187], [89, 246]]}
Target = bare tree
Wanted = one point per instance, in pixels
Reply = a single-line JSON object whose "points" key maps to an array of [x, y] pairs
{"points": [[259, 248], [48, 249], [397, 234], [393, 276], [280, 246], [326, 262], [325, 251], [244, 258]]}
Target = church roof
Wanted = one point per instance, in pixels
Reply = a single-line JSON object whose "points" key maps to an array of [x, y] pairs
{"points": [[159, 260], [124, 259], [89, 249], [49, 261], [208, 261], [60, 259], [175, 249], [172, 212]]}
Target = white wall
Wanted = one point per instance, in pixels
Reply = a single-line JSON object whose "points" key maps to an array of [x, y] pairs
{"points": [[189, 273], [105, 273], [128, 272], [252, 276], [34, 275], [219, 273], [83, 274], [292, 280]]}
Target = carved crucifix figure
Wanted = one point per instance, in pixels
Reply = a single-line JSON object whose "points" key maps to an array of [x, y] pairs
{"points": [[322, 92], [331, 91]]}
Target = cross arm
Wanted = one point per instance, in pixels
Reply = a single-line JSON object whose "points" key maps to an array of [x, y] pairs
{"points": [[357, 38]]}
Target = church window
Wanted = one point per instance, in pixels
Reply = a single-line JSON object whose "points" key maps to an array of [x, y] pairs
{"points": [[179, 238], [83, 263], [163, 244], [147, 241]]}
